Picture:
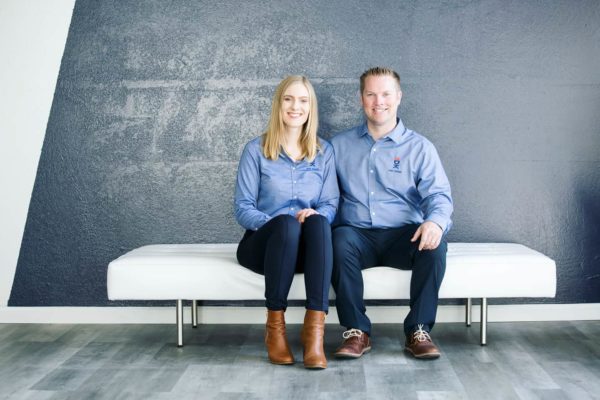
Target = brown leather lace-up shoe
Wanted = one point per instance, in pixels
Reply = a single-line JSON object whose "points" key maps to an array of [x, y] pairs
{"points": [[278, 348], [420, 345], [356, 343]]}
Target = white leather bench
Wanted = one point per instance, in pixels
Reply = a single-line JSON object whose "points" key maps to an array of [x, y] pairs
{"points": [[210, 272]]}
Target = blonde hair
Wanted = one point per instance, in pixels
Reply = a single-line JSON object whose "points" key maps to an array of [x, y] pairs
{"points": [[273, 137], [378, 71]]}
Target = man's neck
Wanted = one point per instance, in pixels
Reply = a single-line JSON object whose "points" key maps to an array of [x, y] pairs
{"points": [[379, 131]]}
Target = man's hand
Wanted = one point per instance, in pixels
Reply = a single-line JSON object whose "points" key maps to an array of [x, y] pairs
{"points": [[305, 213], [431, 235]]}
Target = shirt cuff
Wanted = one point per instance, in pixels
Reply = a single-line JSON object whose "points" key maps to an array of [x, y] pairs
{"points": [[439, 221]]}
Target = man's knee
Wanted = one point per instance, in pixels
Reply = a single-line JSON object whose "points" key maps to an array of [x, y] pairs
{"points": [[439, 252], [435, 259], [344, 237], [347, 245]]}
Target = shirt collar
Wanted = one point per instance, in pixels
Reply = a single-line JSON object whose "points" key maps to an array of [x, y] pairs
{"points": [[363, 129], [395, 135]]}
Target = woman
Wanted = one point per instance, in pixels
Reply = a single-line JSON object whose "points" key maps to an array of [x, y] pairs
{"points": [[286, 197]]}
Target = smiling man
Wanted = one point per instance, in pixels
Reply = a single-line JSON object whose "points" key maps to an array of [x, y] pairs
{"points": [[394, 210]]}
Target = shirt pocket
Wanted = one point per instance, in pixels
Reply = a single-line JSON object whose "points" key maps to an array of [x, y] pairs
{"points": [[309, 185], [275, 181], [397, 179]]}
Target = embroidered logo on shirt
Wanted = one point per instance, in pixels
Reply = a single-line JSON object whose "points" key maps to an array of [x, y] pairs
{"points": [[396, 165], [312, 166]]}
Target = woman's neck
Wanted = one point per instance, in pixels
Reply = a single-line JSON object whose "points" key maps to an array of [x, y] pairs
{"points": [[291, 143], [292, 137]]}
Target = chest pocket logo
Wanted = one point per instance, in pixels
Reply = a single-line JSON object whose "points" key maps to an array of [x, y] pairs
{"points": [[396, 166]]}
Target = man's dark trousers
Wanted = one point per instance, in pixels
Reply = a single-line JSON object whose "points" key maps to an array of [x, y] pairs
{"points": [[355, 249]]}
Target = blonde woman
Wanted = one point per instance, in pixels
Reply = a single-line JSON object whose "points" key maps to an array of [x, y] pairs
{"points": [[286, 198]]}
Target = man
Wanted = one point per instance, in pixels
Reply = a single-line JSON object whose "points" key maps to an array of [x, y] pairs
{"points": [[394, 210]]}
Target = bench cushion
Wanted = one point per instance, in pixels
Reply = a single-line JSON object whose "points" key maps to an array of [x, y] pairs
{"points": [[211, 272]]}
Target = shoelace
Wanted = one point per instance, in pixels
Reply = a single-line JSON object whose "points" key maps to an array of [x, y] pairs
{"points": [[352, 332], [420, 335]]}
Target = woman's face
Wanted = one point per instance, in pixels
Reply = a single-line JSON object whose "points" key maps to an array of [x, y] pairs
{"points": [[295, 105]]}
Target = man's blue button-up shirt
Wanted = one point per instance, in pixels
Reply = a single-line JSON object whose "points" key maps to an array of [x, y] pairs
{"points": [[267, 188], [394, 181]]}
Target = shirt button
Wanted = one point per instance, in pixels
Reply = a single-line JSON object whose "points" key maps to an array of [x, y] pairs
{"points": [[373, 213], [372, 193], [295, 197], [371, 171], [292, 208], [294, 181], [374, 149], [293, 168]]}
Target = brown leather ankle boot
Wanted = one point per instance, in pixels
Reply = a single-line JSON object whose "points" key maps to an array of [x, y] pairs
{"points": [[276, 340], [312, 339]]}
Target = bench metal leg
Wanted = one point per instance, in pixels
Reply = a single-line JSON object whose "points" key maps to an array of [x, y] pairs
{"points": [[484, 314], [194, 313], [468, 314], [179, 320]]}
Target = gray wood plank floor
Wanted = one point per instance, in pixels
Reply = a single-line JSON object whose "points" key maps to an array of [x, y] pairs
{"points": [[533, 360]]}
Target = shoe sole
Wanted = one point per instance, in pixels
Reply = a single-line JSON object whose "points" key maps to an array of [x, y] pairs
{"points": [[352, 355], [282, 363], [315, 366], [426, 356]]}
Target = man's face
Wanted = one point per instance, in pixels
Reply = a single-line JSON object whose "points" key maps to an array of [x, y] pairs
{"points": [[380, 100]]}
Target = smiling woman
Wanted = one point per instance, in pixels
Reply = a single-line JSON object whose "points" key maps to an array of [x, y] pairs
{"points": [[294, 120], [286, 197], [295, 108]]}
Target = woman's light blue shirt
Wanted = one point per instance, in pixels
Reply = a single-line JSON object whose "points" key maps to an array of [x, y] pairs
{"points": [[267, 188]]}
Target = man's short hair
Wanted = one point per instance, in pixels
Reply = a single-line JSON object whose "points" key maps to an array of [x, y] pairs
{"points": [[378, 71]]}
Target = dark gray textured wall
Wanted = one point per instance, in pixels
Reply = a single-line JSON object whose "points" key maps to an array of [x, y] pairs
{"points": [[155, 100]]}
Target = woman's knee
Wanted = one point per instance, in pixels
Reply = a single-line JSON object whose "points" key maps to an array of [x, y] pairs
{"points": [[316, 219], [286, 223], [317, 226]]}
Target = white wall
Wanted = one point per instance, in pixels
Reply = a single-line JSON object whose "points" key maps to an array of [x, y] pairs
{"points": [[32, 40]]}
